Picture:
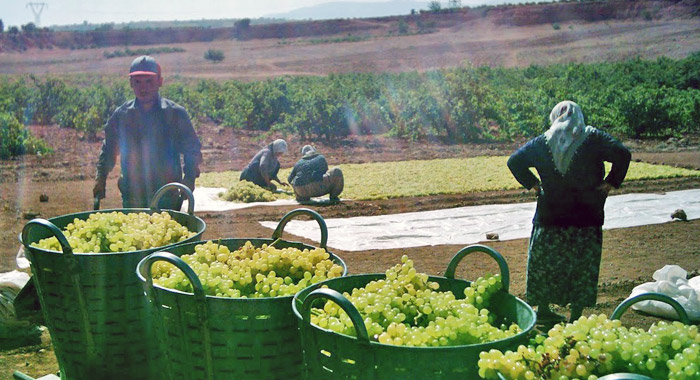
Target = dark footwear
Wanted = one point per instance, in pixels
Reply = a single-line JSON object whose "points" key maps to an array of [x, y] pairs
{"points": [[334, 200], [550, 318]]}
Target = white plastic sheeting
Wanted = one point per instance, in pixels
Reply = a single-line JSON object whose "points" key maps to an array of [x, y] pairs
{"points": [[469, 225], [672, 281]]}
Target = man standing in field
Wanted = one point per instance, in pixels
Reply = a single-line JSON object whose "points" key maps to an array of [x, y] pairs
{"points": [[149, 133]]}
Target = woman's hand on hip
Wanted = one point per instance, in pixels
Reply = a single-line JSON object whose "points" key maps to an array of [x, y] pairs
{"points": [[604, 188]]}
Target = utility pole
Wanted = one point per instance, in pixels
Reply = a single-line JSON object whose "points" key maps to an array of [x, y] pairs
{"points": [[37, 8]]}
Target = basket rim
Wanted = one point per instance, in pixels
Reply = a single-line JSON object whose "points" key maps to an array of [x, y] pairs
{"points": [[85, 214]]}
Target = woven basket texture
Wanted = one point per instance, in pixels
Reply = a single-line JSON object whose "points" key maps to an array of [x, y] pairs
{"points": [[94, 306], [250, 338]]}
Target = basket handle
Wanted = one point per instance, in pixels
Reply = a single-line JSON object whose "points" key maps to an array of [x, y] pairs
{"points": [[502, 265], [286, 218], [621, 308], [55, 231], [169, 187], [144, 271], [341, 301], [146, 265]]}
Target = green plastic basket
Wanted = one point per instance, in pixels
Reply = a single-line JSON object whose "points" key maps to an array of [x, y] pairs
{"points": [[330, 355], [93, 303], [209, 337]]}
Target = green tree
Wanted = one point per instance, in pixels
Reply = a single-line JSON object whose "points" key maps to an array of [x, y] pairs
{"points": [[2, 26], [29, 28], [243, 23], [403, 26], [434, 6]]}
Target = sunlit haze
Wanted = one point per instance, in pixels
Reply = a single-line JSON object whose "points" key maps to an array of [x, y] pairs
{"points": [[66, 12]]}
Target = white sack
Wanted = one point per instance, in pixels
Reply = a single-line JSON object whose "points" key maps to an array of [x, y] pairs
{"points": [[671, 281], [10, 284]]}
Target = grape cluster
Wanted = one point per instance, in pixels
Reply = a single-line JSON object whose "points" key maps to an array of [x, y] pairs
{"points": [[247, 192], [595, 346], [106, 232], [249, 272], [407, 309]]}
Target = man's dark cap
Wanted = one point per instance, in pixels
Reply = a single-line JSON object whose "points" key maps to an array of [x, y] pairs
{"points": [[144, 65]]}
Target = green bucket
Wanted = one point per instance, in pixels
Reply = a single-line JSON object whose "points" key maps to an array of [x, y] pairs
{"points": [[209, 337], [329, 355], [93, 303]]}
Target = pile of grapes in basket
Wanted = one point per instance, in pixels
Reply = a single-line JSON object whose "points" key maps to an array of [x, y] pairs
{"points": [[407, 309], [595, 346], [249, 272], [116, 231]]}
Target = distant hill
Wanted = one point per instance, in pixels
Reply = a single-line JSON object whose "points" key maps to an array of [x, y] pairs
{"points": [[346, 9]]}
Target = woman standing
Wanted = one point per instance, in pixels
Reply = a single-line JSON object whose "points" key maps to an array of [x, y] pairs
{"points": [[567, 239]]}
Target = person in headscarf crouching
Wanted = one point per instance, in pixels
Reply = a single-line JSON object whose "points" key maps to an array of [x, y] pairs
{"points": [[310, 177], [566, 241], [265, 165]]}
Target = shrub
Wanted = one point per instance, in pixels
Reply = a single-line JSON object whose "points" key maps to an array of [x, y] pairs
{"points": [[214, 55], [16, 140]]}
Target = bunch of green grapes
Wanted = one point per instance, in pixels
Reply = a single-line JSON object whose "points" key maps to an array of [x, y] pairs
{"points": [[405, 308], [249, 272], [247, 192], [106, 232], [596, 346]]}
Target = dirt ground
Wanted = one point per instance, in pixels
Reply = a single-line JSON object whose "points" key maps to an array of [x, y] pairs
{"points": [[630, 255]]}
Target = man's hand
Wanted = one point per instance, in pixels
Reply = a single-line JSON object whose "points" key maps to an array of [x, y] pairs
{"points": [[99, 191], [189, 183]]}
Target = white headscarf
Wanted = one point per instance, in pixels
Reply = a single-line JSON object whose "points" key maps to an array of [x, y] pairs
{"points": [[279, 146], [307, 150], [566, 134]]}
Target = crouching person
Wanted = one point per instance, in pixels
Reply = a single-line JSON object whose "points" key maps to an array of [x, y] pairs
{"points": [[310, 177]]}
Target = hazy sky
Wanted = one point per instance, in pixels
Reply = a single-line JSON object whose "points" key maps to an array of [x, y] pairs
{"points": [[65, 12]]}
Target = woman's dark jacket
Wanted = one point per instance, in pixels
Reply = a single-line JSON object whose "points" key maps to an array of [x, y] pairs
{"points": [[253, 171], [571, 199], [308, 169]]}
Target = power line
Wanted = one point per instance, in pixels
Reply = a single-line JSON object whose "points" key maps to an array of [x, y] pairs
{"points": [[37, 8]]}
